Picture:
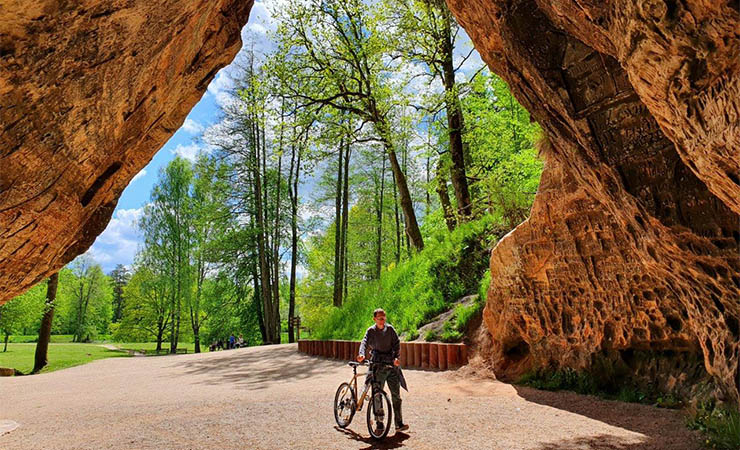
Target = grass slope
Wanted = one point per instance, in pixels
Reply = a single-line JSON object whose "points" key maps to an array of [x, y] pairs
{"points": [[450, 266]]}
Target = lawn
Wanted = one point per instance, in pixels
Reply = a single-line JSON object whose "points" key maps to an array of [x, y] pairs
{"points": [[61, 356], [63, 353]]}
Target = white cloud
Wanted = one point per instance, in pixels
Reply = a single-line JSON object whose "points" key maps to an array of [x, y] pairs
{"points": [[192, 126], [221, 87], [141, 174], [189, 151], [120, 240]]}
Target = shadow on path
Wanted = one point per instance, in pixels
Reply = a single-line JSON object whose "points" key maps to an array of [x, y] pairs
{"points": [[395, 441], [257, 367], [661, 428]]}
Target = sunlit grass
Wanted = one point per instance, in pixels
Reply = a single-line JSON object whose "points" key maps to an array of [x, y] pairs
{"points": [[61, 356]]}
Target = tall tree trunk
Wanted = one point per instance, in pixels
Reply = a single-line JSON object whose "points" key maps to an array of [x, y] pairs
{"points": [[428, 178], [379, 212], [404, 158], [444, 197], [7, 336], [338, 265], [407, 206], [42, 347], [173, 303], [161, 325], [455, 120], [276, 231], [345, 216], [398, 223], [258, 304], [296, 154], [266, 292]]}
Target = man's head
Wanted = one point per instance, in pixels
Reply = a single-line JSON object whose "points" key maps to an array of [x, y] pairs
{"points": [[379, 317]]}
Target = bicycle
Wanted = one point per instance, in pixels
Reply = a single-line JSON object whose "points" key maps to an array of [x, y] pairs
{"points": [[379, 411]]}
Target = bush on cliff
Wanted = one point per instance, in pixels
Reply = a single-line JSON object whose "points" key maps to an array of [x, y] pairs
{"points": [[450, 266]]}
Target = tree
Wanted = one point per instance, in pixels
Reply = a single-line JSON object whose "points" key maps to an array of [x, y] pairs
{"points": [[167, 226], [340, 62], [92, 296], [42, 346], [501, 140], [119, 278], [426, 32], [147, 312], [21, 312], [208, 203]]}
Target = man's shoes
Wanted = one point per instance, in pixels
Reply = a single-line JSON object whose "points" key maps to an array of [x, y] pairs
{"points": [[403, 427], [379, 427]]}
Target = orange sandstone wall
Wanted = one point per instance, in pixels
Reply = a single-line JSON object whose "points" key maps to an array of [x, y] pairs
{"points": [[89, 91], [631, 253]]}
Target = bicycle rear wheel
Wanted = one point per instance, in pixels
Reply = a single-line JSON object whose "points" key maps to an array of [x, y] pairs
{"points": [[344, 405], [379, 415]]}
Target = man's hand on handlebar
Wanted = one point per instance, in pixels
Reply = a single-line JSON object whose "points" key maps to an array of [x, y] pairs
{"points": [[396, 362], [360, 358]]}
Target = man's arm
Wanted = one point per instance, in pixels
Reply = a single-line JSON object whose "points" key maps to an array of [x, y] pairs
{"points": [[363, 346]]}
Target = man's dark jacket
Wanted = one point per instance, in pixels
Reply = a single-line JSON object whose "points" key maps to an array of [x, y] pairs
{"points": [[385, 347]]}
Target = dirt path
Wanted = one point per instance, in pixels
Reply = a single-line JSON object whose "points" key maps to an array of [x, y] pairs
{"points": [[276, 398], [113, 347]]}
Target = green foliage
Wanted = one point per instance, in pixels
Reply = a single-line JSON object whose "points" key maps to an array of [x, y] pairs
{"points": [[599, 381], [23, 312], [432, 335], [720, 424], [31, 338], [563, 379], [418, 289], [485, 282], [463, 314], [501, 141]]}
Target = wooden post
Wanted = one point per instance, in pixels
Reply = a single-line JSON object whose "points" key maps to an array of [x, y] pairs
{"points": [[463, 354], [425, 355], [417, 355], [442, 356], [404, 354], [453, 357], [433, 355]]}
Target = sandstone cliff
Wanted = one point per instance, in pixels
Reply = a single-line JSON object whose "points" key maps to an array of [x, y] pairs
{"points": [[89, 91], [633, 241]]}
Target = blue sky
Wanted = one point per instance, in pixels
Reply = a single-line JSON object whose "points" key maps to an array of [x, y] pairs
{"points": [[120, 240]]}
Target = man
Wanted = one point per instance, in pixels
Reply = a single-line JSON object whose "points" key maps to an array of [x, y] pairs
{"points": [[386, 349]]}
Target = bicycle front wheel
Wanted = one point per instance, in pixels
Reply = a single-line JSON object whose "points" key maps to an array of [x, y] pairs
{"points": [[344, 405], [379, 415]]}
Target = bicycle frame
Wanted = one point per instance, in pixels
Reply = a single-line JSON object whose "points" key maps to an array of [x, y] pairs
{"points": [[359, 402], [370, 383]]}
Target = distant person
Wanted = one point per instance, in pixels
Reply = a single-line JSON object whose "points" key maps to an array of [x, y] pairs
{"points": [[232, 340], [240, 341], [386, 349]]}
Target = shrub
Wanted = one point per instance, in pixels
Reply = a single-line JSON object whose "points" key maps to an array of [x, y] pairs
{"points": [[415, 291], [721, 425]]}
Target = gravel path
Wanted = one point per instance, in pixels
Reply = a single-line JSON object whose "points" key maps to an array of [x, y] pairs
{"points": [[275, 398]]}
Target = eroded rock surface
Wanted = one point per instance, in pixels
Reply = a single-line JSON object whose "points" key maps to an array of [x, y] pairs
{"points": [[89, 91], [633, 243]]}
